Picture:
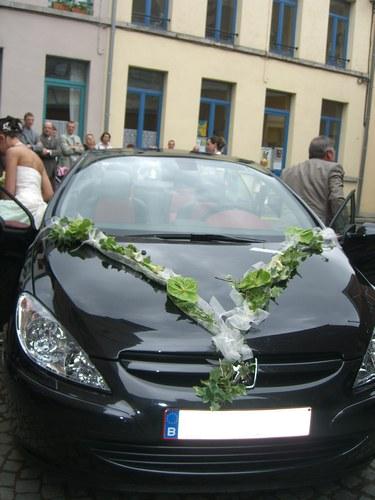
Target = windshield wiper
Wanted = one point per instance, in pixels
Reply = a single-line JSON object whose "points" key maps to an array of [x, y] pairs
{"points": [[198, 237]]}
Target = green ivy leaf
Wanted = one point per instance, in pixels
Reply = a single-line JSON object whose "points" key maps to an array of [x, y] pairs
{"points": [[224, 384], [69, 234], [254, 279]]}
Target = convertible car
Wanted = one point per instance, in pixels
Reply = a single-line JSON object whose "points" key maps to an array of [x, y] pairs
{"points": [[184, 322]]}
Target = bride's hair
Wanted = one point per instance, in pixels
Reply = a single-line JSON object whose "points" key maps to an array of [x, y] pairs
{"points": [[10, 126]]}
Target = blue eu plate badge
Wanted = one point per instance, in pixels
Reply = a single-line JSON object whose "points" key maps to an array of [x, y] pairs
{"points": [[170, 430], [236, 424]]}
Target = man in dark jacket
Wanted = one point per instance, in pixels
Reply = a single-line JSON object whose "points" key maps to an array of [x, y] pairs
{"points": [[319, 181], [28, 135], [49, 149]]}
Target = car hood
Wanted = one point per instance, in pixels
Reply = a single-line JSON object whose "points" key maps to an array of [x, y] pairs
{"points": [[110, 309]]}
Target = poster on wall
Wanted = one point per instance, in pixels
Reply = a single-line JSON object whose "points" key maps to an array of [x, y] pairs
{"points": [[266, 157], [277, 163], [200, 144], [202, 128]]}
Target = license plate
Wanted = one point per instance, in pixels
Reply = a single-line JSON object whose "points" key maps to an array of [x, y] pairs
{"points": [[236, 424]]}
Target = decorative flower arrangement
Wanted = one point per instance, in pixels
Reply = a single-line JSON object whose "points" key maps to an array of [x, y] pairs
{"points": [[251, 295], [81, 7]]}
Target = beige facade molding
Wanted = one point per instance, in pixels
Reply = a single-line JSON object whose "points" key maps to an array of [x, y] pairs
{"points": [[49, 11], [23, 6]]}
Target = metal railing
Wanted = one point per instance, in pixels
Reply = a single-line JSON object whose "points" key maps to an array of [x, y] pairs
{"points": [[148, 20], [220, 35]]}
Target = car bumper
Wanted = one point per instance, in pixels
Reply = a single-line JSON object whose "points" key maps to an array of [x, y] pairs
{"points": [[121, 447]]}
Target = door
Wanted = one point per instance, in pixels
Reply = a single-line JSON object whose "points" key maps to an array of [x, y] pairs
{"points": [[15, 238], [357, 240], [275, 137], [142, 118]]}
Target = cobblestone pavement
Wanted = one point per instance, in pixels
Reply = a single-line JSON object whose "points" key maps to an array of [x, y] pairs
{"points": [[22, 479]]}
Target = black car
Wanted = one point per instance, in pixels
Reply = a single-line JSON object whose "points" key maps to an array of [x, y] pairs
{"points": [[186, 322]]}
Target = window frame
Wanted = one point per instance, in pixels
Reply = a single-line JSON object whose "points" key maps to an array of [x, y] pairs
{"points": [[331, 58], [278, 47], [147, 17], [286, 115], [143, 93], [213, 103], [217, 31], [67, 84], [327, 121]]}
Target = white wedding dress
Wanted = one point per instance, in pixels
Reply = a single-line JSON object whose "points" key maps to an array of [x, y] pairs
{"points": [[29, 193]]}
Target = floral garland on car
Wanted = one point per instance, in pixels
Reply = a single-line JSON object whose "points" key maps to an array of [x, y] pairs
{"points": [[251, 295]]}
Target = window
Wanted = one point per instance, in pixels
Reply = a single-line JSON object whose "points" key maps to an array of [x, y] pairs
{"points": [[275, 130], [65, 92], [214, 111], [131, 194], [143, 108], [221, 20], [330, 121], [283, 27], [338, 33], [150, 13], [78, 6]]}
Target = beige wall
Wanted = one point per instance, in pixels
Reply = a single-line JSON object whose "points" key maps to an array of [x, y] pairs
{"points": [[313, 29], [23, 68], [367, 201], [254, 21], [186, 60], [188, 17], [187, 63]]}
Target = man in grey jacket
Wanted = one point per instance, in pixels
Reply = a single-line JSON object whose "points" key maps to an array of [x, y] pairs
{"points": [[49, 149], [28, 135], [319, 181], [71, 146]]}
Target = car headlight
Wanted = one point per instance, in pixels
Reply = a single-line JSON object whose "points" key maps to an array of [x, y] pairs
{"points": [[50, 346], [367, 371]]}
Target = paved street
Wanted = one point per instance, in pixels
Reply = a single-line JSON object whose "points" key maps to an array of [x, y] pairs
{"points": [[23, 479]]}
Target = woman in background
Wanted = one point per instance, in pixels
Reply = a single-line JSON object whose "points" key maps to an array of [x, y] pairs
{"points": [[89, 142], [105, 141]]}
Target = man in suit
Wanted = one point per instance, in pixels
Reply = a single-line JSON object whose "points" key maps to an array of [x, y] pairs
{"points": [[28, 135], [71, 146], [49, 149], [319, 181]]}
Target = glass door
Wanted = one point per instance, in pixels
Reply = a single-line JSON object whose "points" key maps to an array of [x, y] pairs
{"points": [[275, 138], [142, 118], [64, 102]]}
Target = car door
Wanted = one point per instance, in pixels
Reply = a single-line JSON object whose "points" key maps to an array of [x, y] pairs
{"points": [[15, 238], [357, 239]]}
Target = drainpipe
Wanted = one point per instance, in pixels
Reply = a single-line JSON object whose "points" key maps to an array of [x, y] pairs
{"points": [[110, 65], [367, 116]]}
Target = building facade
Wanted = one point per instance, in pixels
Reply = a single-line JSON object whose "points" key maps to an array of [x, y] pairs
{"points": [[267, 75], [53, 62]]}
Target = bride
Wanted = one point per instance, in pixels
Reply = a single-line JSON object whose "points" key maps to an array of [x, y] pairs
{"points": [[25, 176]]}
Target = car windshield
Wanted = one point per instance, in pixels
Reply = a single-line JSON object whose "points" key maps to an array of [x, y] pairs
{"points": [[151, 195]]}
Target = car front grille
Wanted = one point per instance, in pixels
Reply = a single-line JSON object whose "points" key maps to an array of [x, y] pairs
{"points": [[230, 458], [186, 370]]}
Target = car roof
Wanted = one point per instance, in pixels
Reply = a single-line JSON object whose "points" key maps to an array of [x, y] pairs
{"points": [[174, 153]]}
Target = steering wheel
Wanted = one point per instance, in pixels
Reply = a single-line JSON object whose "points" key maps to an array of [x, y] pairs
{"points": [[234, 216], [217, 209]]}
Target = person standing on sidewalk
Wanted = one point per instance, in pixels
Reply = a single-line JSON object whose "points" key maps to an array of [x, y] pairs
{"points": [[28, 135], [49, 150], [71, 146], [319, 181]]}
